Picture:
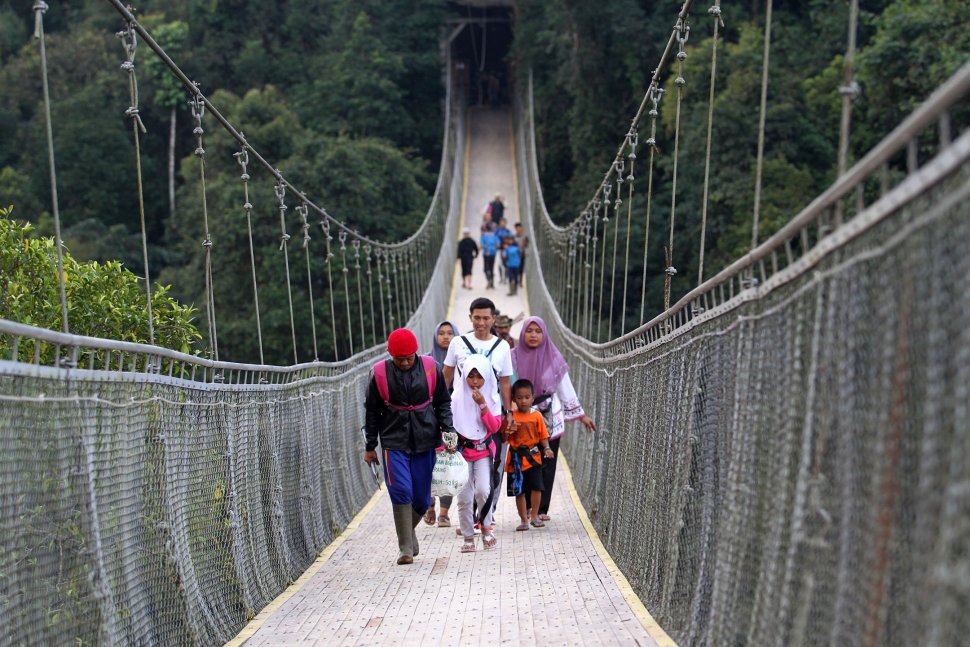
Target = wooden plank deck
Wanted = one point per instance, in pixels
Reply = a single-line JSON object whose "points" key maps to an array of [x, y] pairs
{"points": [[546, 586]]}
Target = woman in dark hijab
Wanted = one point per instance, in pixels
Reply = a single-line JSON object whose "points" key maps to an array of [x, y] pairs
{"points": [[444, 332]]}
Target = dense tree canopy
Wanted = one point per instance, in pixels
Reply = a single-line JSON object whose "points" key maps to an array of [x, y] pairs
{"points": [[345, 98], [591, 64]]}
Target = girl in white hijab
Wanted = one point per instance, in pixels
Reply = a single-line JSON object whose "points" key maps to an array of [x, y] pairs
{"points": [[477, 409]]}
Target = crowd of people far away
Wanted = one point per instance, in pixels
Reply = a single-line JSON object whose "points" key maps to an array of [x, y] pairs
{"points": [[496, 242]]}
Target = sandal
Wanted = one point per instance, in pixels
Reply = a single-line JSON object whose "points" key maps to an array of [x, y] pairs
{"points": [[444, 521], [544, 517], [429, 517], [489, 541], [537, 523], [468, 546], [522, 526]]}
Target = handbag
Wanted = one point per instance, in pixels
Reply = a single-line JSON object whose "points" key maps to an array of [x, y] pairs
{"points": [[449, 475]]}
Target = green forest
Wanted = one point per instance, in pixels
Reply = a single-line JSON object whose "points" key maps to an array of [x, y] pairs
{"points": [[345, 97]]}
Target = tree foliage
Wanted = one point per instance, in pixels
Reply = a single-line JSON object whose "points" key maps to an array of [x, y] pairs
{"points": [[591, 65], [104, 299]]}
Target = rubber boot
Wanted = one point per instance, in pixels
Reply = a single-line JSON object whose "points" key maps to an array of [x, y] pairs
{"points": [[416, 519], [403, 515]]}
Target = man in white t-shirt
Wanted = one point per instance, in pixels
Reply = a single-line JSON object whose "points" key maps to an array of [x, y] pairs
{"points": [[482, 315]]}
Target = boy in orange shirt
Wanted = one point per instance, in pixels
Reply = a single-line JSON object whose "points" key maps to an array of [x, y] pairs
{"points": [[526, 434]]}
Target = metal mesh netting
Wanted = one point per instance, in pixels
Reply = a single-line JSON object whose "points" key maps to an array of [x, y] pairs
{"points": [[793, 466], [155, 498]]}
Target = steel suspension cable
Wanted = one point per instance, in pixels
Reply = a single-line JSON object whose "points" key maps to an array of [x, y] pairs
{"points": [[680, 82], [715, 11], [342, 239], [129, 42], [656, 94], [243, 158], [607, 190], [849, 91], [619, 166], [360, 296], [198, 111], [280, 189], [633, 140], [39, 9], [325, 225], [303, 211], [759, 165]]}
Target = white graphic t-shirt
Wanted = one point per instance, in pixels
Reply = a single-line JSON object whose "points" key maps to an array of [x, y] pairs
{"points": [[500, 357]]}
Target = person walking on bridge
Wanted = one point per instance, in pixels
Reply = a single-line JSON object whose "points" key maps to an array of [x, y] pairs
{"points": [[467, 252], [537, 359], [407, 408]]}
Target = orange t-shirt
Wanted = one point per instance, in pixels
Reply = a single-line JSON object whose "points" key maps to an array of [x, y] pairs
{"points": [[532, 431]]}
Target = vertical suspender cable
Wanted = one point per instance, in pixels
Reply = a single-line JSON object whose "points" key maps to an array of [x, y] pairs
{"points": [[683, 33], [243, 158], [198, 111], [633, 139], [304, 210], [39, 8], [718, 22], [284, 247], [849, 90], [129, 41], [761, 128], [656, 93]]}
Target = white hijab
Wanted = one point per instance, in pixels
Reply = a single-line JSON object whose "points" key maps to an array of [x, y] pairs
{"points": [[464, 409]]}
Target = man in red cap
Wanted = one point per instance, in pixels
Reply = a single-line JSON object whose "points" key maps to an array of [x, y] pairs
{"points": [[407, 407]]}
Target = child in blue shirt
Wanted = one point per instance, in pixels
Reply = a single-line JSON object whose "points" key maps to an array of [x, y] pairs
{"points": [[512, 256], [490, 243]]}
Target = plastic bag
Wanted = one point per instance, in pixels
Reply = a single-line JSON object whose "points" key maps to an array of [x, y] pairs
{"points": [[449, 475]]}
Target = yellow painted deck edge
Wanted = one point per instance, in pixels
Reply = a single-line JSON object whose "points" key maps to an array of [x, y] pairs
{"points": [[636, 605], [257, 622]]}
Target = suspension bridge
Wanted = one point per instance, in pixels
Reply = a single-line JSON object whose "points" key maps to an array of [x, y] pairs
{"points": [[783, 455]]}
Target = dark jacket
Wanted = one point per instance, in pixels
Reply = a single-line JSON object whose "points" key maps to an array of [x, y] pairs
{"points": [[407, 431], [467, 249]]}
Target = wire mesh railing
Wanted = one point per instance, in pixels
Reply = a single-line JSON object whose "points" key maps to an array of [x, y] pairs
{"points": [[782, 456]]}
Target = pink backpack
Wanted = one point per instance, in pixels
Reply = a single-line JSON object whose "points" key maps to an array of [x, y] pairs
{"points": [[430, 372]]}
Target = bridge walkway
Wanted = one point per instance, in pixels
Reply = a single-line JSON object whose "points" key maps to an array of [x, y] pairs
{"points": [[550, 586]]}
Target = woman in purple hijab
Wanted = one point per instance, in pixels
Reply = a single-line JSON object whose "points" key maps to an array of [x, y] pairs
{"points": [[537, 359]]}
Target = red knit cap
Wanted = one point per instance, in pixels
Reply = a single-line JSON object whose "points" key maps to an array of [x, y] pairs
{"points": [[402, 342]]}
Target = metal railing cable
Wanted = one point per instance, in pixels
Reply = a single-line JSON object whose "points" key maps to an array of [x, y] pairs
{"points": [[775, 461], [149, 496]]}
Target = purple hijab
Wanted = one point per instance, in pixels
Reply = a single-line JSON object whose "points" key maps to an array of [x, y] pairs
{"points": [[544, 365]]}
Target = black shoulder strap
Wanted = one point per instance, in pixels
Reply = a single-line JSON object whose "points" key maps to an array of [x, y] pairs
{"points": [[471, 349], [494, 346]]}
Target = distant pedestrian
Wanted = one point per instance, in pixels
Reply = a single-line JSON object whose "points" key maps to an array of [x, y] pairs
{"points": [[537, 359], [407, 407], [523, 242], [490, 243], [513, 263], [496, 208], [467, 252]]}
